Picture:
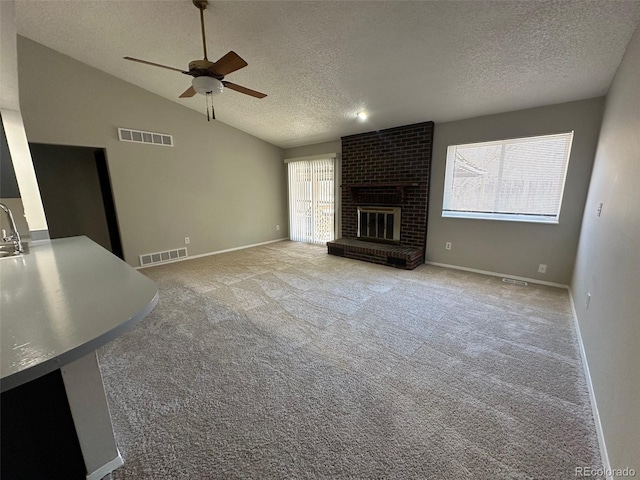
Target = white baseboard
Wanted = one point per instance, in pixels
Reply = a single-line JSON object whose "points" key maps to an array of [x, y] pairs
{"points": [[191, 257], [496, 274], [592, 396]]}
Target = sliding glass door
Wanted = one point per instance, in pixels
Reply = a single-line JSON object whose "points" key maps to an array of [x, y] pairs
{"points": [[312, 200]]}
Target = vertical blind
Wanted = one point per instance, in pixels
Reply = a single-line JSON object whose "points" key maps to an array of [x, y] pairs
{"points": [[312, 200], [519, 177]]}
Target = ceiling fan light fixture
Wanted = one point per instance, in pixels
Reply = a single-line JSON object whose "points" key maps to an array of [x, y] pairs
{"points": [[204, 85]]}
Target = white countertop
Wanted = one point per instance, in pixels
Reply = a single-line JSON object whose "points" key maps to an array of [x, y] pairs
{"points": [[61, 301]]}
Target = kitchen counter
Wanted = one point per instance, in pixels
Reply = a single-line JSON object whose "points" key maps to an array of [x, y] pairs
{"points": [[58, 304], [63, 300]]}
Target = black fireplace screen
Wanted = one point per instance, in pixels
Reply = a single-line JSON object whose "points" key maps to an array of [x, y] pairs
{"points": [[379, 224]]}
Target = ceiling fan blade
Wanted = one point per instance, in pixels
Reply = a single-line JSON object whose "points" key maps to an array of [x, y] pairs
{"points": [[227, 64], [154, 64], [189, 92], [245, 90]]}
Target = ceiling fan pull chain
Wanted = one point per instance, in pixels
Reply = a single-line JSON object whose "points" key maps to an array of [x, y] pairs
{"points": [[209, 96]]}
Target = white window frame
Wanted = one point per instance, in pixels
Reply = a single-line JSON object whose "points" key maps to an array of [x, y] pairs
{"points": [[447, 212]]}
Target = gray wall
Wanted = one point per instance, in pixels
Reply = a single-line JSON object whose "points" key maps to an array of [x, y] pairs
{"points": [[608, 267], [219, 186], [316, 149], [508, 247]]}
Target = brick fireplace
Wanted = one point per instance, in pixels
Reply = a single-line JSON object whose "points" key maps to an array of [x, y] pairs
{"points": [[383, 170]]}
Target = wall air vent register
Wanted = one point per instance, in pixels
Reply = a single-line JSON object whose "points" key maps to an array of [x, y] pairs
{"points": [[139, 136], [161, 257]]}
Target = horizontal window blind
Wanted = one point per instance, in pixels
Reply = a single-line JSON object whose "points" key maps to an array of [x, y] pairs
{"points": [[311, 200], [522, 178]]}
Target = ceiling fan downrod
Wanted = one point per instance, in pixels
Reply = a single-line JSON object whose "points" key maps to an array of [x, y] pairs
{"points": [[202, 6]]}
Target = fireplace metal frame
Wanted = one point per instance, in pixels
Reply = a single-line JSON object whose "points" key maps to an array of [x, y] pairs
{"points": [[395, 211]]}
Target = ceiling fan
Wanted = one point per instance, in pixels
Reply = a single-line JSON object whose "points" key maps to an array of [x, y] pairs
{"points": [[208, 77]]}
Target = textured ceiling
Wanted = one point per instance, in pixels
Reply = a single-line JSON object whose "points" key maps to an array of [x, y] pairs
{"points": [[321, 62]]}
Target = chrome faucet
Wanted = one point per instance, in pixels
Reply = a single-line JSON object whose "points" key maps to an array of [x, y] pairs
{"points": [[14, 236]]}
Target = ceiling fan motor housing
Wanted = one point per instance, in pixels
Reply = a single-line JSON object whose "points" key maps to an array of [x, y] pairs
{"points": [[199, 68]]}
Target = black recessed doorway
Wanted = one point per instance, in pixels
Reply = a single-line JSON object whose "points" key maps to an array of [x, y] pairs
{"points": [[76, 193]]}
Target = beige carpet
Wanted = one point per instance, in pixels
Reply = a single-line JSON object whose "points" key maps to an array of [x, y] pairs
{"points": [[284, 362]]}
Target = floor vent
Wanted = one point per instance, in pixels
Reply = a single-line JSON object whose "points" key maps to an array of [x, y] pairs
{"points": [[161, 257], [514, 281], [138, 136]]}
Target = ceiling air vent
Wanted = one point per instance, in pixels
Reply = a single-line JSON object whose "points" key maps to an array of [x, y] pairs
{"points": [[161, 257], [138, 136]]}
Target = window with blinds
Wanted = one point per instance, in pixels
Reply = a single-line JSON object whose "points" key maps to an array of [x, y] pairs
{"points": [[519, 179], [312, 200]]}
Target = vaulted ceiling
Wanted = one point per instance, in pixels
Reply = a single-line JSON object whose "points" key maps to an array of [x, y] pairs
{"points": [[322, 62]]}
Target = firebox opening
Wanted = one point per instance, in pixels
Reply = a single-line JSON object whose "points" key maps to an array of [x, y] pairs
{"points": [[379, 224]]}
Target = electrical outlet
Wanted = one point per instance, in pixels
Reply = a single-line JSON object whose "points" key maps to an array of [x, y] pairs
{"points": [[588, 300], [542, 268], [187, 240], [277, 227], [447, 246]]}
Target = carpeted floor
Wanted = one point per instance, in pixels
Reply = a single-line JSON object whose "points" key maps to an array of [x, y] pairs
{"points": [[284, 362]]}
